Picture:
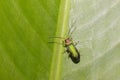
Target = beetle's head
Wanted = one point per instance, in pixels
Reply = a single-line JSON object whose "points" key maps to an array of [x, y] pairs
{"points": [[67, 41]]}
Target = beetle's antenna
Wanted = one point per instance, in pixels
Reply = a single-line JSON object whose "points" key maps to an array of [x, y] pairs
{"points": [[55, 42], [57, 37], [70, 33]]}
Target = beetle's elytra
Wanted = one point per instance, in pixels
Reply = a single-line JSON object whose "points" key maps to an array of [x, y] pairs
{"points": [[72, 50]]}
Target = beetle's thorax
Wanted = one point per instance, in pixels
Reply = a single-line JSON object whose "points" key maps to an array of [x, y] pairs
{"points": [[68, 41]]}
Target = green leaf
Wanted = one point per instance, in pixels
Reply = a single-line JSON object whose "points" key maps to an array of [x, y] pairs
{"points": [[97, 30], [25, 26], [60, 32]]}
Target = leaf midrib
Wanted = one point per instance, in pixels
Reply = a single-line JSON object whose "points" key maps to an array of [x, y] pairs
{"points": [[55, 72]]}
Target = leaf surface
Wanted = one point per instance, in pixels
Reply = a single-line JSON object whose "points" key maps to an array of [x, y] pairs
{"points": [[25, 26], [98, 30]]}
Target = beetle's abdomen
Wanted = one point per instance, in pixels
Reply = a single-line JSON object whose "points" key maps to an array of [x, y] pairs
{"points": [[73, 53], [75, 59]]}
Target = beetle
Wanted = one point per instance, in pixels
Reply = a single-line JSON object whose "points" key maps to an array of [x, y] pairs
{"points": [[70, 47], [73, 52]]}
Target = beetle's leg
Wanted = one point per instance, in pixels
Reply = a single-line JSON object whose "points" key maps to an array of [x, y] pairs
{"points": [[76, 43], [55, 42], [68, 56], [64, 51]]}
